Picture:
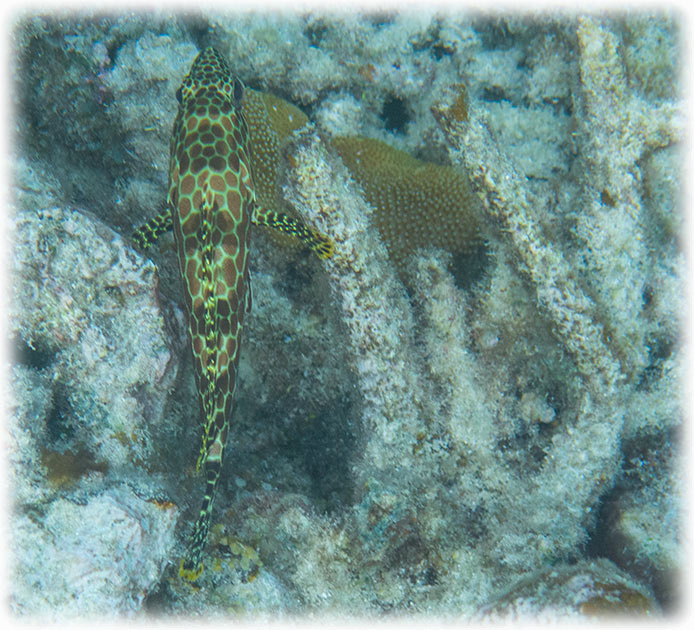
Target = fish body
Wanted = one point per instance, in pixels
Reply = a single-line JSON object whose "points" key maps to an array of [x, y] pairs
{"points": [[211, 204], [211, 200]]}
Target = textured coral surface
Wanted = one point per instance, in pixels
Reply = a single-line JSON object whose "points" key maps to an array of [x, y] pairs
{"points": [[471, 410]]}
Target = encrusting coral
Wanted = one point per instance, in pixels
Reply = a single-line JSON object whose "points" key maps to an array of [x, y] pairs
{"points": [[552, 596], [416, 204], [87, 419]]}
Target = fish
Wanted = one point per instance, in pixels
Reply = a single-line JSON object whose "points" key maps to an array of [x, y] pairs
{"points": [[211, 204]]}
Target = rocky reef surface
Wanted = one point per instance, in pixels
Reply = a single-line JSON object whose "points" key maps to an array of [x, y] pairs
{"points": [[472, 410]]}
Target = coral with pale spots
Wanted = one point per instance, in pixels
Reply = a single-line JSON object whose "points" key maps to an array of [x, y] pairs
{"points": [[270, 121], [416, 204]]}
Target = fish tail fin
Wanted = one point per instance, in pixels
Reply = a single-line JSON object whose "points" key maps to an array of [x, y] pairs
{"points": [[191, 565]]}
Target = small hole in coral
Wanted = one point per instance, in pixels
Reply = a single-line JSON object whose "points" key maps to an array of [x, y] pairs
{"points": [[395, 114], [382, 18], [37, 356], [314, 33], [59, 421], [494, 94], [442, 49], [468, 268]]}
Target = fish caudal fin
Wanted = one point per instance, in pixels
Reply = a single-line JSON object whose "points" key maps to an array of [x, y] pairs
{"points": [[191, 565]]}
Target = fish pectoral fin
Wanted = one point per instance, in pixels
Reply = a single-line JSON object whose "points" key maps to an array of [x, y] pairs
{"points": [[148, 233], [319, 243]]}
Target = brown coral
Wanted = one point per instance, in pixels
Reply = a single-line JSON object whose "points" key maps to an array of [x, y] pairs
{"points": [[453, 107], [270, 121], [416, 204]]}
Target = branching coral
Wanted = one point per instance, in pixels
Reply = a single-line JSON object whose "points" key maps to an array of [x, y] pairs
{"points": [[553, 499], [612, 223], [420, 409], [372, 300], [617, 127], [602, 325], [510, 203]]}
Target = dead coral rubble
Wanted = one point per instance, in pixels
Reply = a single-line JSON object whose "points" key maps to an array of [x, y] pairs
{"points": [[554, 501], [596, 309]]}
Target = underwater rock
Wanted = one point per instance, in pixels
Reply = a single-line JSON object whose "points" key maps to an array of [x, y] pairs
{"points": [[31, 405], [88, 304], [142, 80], [592, 589], [98, 556], [93, 370], [642, 527]]}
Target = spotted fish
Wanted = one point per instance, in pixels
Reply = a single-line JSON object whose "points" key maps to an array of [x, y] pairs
{"points": [[210, 206]]}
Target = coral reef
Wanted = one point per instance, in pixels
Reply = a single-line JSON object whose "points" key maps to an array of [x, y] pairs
{"points": [[475, 444], [93, 531], [77, 291], [416, 204]]}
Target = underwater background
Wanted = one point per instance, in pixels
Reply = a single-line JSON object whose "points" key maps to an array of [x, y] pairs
{"points": [[471, 410]]}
